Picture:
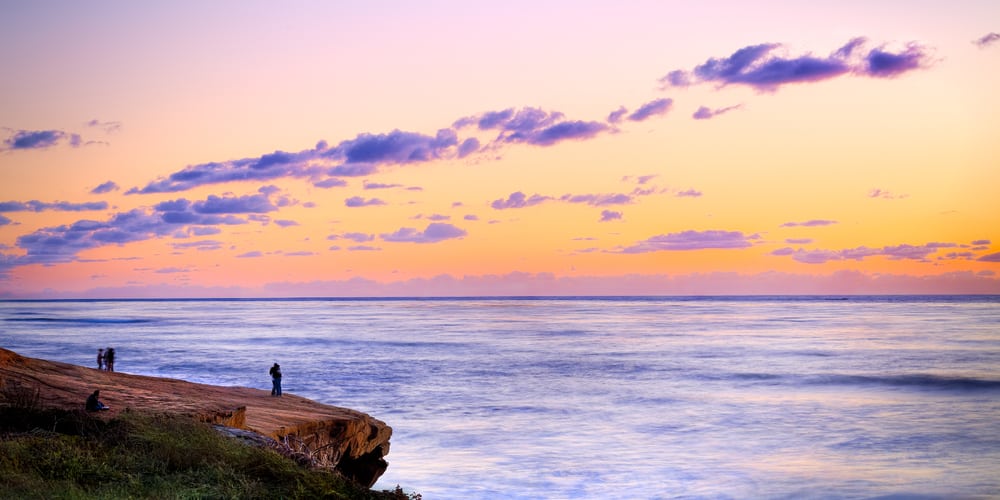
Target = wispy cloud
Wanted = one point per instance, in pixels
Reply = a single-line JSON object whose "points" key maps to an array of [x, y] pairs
{"points": [[987, 40], [358, 201], [353, 236], [688, 193], [706, 113], [894, 252], [810, 223], [178, 218], [106, 187], [598, 200], [650, 109], [885, 194], [433, 233], [60, 206], [610, 215], [532, 126], [519, 200], [109, 127], [763, 68], [39, 139], [692, 240]]}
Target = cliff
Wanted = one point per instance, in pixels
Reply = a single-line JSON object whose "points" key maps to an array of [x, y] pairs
{"points": [[349, 441]]}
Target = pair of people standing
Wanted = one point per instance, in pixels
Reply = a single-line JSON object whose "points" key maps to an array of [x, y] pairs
{"points": [[106, 359], [275, 373]]}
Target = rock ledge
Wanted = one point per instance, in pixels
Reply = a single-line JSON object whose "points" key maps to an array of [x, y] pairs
{"points": [[352, 442]]}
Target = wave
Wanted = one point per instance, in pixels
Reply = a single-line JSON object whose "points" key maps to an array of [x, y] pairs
{"points": [[917, 380], [914, 381], [83, 321]]}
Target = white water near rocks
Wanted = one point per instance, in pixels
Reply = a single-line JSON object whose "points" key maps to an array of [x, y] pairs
{"points": [[766, 397]]}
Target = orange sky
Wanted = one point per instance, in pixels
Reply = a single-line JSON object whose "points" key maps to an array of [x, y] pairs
{"points": [[243, 149]]}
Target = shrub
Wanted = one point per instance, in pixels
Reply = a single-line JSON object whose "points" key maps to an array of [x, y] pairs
{"points": [[150, 456]]}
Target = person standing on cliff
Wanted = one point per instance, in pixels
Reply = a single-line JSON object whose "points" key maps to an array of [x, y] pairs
{"points": [[100, 359], [275, 372], [109, 359]]}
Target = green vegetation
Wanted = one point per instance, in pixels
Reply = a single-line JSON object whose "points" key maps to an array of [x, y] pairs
{"points": [[48, 453]]}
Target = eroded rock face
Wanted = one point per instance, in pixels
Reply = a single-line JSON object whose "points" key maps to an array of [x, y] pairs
{"points": [[349, 441]]}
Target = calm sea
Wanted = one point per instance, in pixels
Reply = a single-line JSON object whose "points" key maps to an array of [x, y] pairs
{"points": [[615, 397]]}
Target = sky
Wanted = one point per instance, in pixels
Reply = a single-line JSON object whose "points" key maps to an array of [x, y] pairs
{"points": [[455, 148]]}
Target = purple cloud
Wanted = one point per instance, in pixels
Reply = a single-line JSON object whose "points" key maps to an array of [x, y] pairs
{"points": [[108, 127], [396, 147], [252, 204], [357, 201], [676, 78], [39, 139], [380, 185], [560, 132], [532, 126], [201, 245], [322, 165], [987, 40], [810, 223], [884, 194], [59, 206], [355, 237], [893, 252], [652, 108], [705, 113], [688, 193], [433, 233], [798, 241], [107, 187], [250, 255], [285, 223], [519, 200], [884, 64], [203, 231], [617, 115], [62, 243], [468, 146], [610, 215], [993, 257], [692, 240], [981, 242], [598, 200], [757, 66], [330, 182]]}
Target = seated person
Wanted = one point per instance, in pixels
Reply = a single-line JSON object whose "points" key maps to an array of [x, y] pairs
{"points": [[94, 404]]}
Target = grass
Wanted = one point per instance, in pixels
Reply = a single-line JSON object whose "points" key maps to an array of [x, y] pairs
{"points": [[61, 454]]}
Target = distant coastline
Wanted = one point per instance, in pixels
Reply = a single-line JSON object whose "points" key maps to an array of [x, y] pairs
{"points": [[649, 298]]}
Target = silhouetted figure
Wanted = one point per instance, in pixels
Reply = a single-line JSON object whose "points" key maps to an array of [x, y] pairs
{"points": [[100, 359], [275, 372], [94, 403], [109, 359]]}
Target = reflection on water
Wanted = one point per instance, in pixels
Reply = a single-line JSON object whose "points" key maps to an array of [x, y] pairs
{"points": [[616, 398]]}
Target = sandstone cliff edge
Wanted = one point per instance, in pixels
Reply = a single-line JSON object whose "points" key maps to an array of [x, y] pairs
{"points": [[349, 441]]}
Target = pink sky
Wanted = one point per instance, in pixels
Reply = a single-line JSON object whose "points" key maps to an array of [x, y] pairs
{"points": [[199, 149]]}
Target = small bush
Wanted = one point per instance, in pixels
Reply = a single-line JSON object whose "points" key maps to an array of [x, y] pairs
{"points": [[16, 395], [151, 456]]}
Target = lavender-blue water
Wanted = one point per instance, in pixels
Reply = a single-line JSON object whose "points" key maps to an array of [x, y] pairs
{"points": [[767, 397]]}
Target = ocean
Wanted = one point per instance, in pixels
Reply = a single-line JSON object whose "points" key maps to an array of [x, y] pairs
{"points": [[599, 397]]}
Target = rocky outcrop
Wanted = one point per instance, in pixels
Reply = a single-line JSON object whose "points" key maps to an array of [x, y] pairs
{"points": [[349, 441]]}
